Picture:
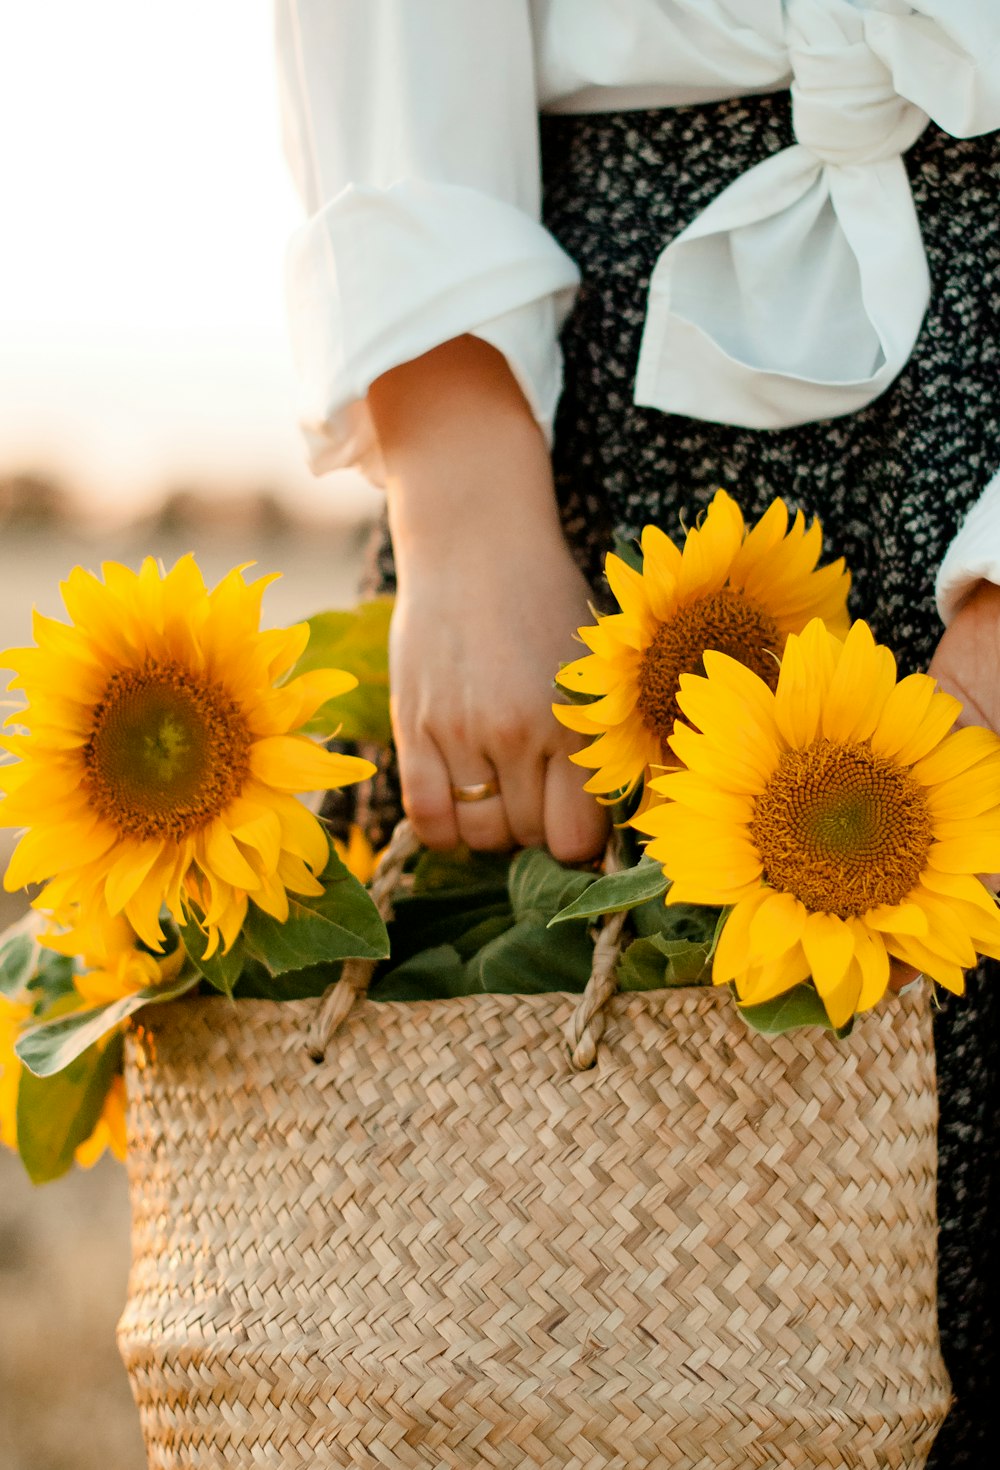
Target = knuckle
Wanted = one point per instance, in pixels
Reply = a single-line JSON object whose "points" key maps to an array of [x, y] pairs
{"points": [[511, 730], [422, 807]]}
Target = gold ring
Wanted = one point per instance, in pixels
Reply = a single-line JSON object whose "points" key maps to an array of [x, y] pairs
{"points": [[478, 791]]}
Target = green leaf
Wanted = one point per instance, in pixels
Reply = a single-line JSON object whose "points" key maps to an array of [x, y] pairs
{"points": [[257, 982], [657, 963], [56, 1114], [617, 891], [529, 959], [340, 923], [630, 552], [461, 870], [433, 974], [800, 1006], [358, 641], [539, 885], [472, 940], [453, 895], [50, 1046], [693, 922], [18, 957], [53, 979], [222, 971], [426, 922]]}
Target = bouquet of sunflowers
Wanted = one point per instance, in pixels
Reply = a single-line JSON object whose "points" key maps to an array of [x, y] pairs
{"points": [[791, 817]]}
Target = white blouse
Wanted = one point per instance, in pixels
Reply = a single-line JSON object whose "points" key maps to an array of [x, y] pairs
{"points": [[797, 294]]}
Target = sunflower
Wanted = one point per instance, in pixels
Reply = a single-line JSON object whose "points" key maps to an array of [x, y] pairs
{"points": [[112, 962], [357, 854], [160, 755], [840, 814], [738, 591]]}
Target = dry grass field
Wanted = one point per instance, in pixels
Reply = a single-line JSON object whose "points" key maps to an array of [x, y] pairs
{"points": [[64, 1398]]}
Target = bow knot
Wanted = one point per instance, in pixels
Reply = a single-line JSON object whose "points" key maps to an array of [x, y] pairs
{"points": [[845, 108]]}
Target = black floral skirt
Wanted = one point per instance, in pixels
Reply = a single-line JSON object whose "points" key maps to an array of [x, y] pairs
{"points": [[890, 483]]}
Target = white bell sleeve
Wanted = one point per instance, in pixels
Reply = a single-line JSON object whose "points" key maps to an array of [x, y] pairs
{"points": [[412, 134], [974, 555]]}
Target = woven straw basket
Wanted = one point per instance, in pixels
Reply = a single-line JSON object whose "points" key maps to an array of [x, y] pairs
{"points": [[444, 1246]]}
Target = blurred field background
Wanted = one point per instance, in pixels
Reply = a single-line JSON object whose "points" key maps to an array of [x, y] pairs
{"points": [[146, 407]]}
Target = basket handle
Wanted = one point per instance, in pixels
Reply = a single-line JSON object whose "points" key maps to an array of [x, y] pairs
{"points": [[586, 1025]]}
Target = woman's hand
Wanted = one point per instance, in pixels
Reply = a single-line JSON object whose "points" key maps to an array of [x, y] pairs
{"points": [[489, 598]]}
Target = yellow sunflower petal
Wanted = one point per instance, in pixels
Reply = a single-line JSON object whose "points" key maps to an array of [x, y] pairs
{"points": [[295, 763], [973, 854], [629, 590], [842, 1000], [703, 795], [957, 753], [574, 717], [732, 951], [829, 948], [872, 958], [897, 918], [589, 675], [942, 712], [710, 549], [290, 706], [861, 684], [767, 981], [777, 927]]}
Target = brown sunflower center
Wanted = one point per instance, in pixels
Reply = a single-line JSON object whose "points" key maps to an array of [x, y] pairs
{"points": [[726, 621], [841, 828], [168, 750]]}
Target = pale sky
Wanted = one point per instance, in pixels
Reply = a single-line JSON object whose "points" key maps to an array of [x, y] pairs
{"points": [[144, 210]]}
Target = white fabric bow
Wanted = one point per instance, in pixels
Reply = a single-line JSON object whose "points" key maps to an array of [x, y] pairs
{"points": [[799, 292]]}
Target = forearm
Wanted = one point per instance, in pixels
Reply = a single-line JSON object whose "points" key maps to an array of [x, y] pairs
{"points": [[465, 458]]}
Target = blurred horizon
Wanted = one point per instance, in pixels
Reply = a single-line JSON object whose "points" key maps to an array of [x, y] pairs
{"points": [[146, 209]]}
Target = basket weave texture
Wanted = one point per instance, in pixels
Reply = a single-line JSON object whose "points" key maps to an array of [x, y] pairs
{"points": [[445, 1247]]}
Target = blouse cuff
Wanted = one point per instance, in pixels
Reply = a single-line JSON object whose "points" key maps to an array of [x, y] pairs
{"points": [[974, 555], [379, 276]]}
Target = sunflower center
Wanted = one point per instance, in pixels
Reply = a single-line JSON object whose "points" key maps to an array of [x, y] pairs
{"points": [[841, 828], [726, 621], [168, 750]]}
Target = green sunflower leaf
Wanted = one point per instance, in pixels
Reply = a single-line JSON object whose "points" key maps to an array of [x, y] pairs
{"points": [[460, 870], [617, 891], [257, 982], [356, 640], [800, 1006], [340, 923], [433, 974], [657, 963], [529, 959], [18, 957], [697, 923], [222, 971], [56, 1114], [539, 886], [50, 1046], [630, 552]]}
